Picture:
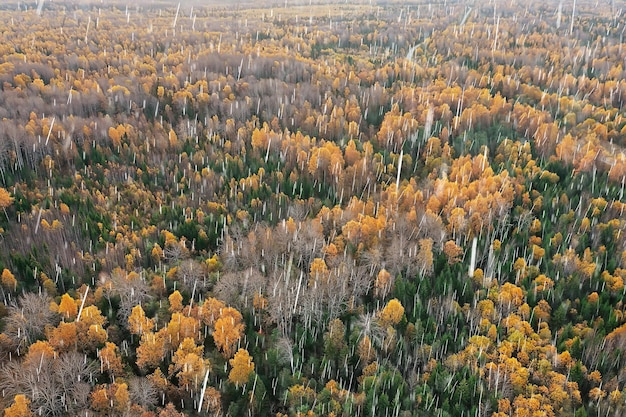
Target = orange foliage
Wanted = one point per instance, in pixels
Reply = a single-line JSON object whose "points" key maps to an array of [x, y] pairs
{"points": [[242, 367]]}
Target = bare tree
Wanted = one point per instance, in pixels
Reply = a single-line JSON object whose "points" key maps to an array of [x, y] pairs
{"points": [[284, 292], [368, 325], [142, 392], [192, 276], [131, 288], [56, 386], [27, 319], [175, 251], [239, 288], [326, 297], [309, 242], [239, 251]]}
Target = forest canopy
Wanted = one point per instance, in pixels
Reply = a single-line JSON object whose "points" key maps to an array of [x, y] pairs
{"points": [[312, 209]]}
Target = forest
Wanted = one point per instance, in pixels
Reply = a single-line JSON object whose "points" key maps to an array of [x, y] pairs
{"points": [[312, 208]]}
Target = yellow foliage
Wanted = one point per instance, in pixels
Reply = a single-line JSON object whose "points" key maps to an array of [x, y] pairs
{"points": [[259, 301], [615, 397], [538, 252], [67, 307], [63, 337], [39, 352], [211, 310], [152, 349], [227, 330], [595, 377], [299, 394], [182, 326], [596, 394], [19, 408], [96, 335], [188, 364], [392, 313], [121, 398], [535, 226], [5, 199], [212, 264], [8, 280], [173, 138], [242, 367], [110, 360], [176, 302], [318, 271], [383, 283], [138, 323], [452, 251], [99, 400], [487, 309], [366, 351]]}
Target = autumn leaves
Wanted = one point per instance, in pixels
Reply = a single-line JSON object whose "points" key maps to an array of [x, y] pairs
{"points": [[71, 331], [184, 337]]}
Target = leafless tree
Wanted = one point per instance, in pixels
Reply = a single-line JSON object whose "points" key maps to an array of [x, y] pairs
{"points": [[431, 226], [55, 387], [239, 250], [398, 258], [142, 392], [372, 260], [132, 289], [174, 252], [284, 292], [326, 298], [27, 319], [192, 276], [368, 325], [239, 288], [309, 242]]}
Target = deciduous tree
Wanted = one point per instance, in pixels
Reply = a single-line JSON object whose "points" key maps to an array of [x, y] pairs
{"points": [[242, 367]]}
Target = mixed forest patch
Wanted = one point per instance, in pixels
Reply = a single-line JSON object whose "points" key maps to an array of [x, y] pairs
{"points": [[378, 209]]}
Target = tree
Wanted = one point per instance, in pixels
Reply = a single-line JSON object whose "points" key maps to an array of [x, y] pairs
{"points": [[176, 302], [121, 399], [452, 251], [67, 307], [425, 257], [131, 288], [27, 319], [8, 280], [227, 330], [170, 411], [242, 367], [182, 326], [383, 284], [392, 313], [111, 399], [91, 328], [366, 351], [5, 201], [152, 349], [39, 352], [64, 337], [100, 400], [173, 139], [110, 360], [142, 392], [19, 408], [211, 310], [188, 365], [56, 385], [138, 323], [334, 340]]}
